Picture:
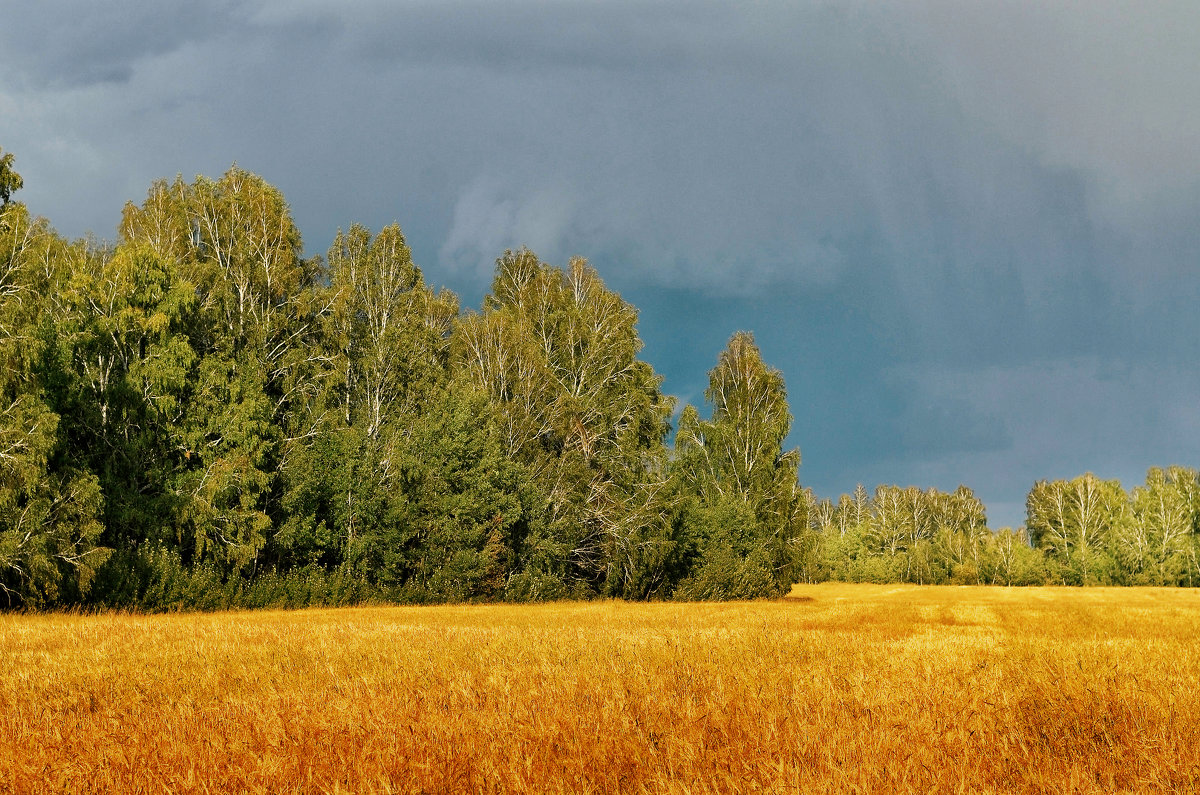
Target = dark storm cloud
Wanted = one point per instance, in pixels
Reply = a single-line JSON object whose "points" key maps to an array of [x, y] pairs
{"points": [[966, 234], [77, 44], [523, 36]]}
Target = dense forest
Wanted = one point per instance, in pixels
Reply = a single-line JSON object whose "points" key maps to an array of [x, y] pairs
{"points": [[199, 416]]}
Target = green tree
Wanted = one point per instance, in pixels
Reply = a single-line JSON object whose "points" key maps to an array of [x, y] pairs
{"points": [[915, 535], [125, 342], [556, 353], [390, 330], [748, 511], [961, 535], [1072, 522], [385, 348], [1154, 547], [464, 504], [1013, 560], [49, 505], [10, 180], [256, 310]]}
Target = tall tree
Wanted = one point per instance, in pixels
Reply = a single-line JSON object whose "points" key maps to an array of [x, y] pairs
{"points": [[556, 352], [391, 330], [1072, 521], [961, 535], [126, 341], [49, 504], [1155, 546], [234, 241], [748, 503], [384, 335], [1014, 560]]}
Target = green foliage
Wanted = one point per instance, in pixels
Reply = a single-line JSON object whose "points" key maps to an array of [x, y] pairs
{"points": [[387, 332], [920, 536], [156, 579], [735, 469], [555, 352], [10, 180], [1081, 532], [731, 558], [49, 518], [1156, 546], [201, 418], [1014, 561], [1074, 522], [122, 372], [463, 505], [231, 454], [50, 505]]}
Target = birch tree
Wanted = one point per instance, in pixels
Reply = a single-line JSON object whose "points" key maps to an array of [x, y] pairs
{"points": [[1072, 522], [234, 241], [1154, 546], [736, 468], [556, 352], [50, 506]]}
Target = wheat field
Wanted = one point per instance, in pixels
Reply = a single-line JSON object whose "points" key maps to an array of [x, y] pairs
{"points": [[847, 688]]}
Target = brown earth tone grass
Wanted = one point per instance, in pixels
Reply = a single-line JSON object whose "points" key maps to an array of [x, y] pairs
{"points": [[847, 688]]}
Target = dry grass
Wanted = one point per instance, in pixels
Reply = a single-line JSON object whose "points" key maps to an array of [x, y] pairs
{"points": [[842, 688]]}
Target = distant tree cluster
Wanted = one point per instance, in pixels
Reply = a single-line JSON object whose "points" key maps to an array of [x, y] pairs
{"points": [[1084, 531], [199, 416]]}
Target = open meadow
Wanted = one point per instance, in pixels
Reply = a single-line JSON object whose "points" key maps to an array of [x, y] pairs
{"points": [[839, 687]]}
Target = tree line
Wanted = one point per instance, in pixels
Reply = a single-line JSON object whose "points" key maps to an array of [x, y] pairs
{"points": [[1084, 531], [197, 415]]}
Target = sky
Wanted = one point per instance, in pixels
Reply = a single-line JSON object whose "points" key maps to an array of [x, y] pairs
{"points": [[968, 234]]}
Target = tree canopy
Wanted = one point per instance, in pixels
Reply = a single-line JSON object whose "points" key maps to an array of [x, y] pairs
{"points": [[10, 180], [200, 415]]}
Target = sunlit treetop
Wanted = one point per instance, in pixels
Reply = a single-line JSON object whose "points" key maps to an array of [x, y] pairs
{"points": [[10, 181]]}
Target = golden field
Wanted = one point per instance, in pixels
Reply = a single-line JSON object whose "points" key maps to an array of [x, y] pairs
{"points": [[847, 688]]}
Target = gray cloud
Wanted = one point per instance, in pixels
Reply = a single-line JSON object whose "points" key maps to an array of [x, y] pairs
{"points": [[939, 220], [1107, 87], [76, 44]]}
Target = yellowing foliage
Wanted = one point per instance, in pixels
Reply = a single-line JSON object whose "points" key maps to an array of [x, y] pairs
{"points": [[849, 688]]}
